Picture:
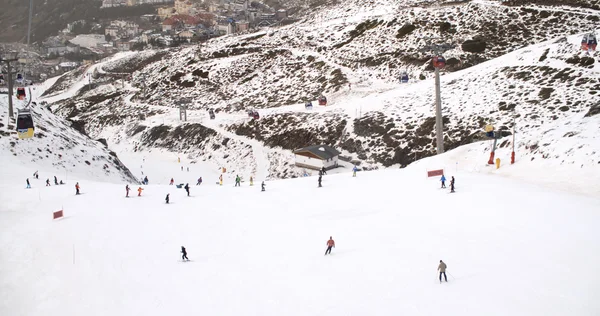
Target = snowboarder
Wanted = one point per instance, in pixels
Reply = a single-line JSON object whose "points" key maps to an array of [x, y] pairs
{"points": [[184, 256], [354, 171], [251, 181], [140, 189], [442, 268], [237, 180], [320, 181], [77, 188], [262, 185], [172, 181], [443, 179], [47, 182], [452, 185], [28, 185], [323, 170], [330, 244], [127, 190], [55, 181], [187, 188], [167, 198], [199, 181]]}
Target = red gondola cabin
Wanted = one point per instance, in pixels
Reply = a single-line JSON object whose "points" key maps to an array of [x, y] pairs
{"points": [[322, 100], [21, 93], [439, 62]]}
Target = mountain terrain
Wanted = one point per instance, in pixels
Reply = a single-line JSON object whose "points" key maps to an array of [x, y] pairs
{"points": [[506, 64]]}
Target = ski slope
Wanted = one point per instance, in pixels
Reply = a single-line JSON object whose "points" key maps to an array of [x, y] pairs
{"points": [[512, 248]]}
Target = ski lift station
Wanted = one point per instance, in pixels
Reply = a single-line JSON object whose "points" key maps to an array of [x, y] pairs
{"points": [[317, 157]]}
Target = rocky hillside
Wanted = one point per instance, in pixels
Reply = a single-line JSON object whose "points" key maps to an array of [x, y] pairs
{"points": [[354, 53]]}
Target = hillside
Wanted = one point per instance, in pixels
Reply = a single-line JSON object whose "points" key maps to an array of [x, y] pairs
{"points": [[261, 253], [536, 76]]}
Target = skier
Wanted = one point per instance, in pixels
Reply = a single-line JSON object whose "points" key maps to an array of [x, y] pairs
{"points": [[36, 175], [221, 180], [187, 188], [146, 180], [47, 182], [442, 268], [330, 244], [28, 185], [184, 256], [55, 181], [323, 170], [127, 190], [140, 189], [354, 171], [181, 168], [251, 181], [443, 179], [262, 186], [320, 181], [167, 198], [172, 181], [77, 188], [188, 169], [452, 185], [237, 180], [199, 181]]}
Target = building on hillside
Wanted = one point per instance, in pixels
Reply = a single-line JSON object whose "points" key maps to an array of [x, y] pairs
{"points": [[317, 157], [281, 14], [183, 6], [113, 3], [88, 40], [166, 12], [187, 35]]}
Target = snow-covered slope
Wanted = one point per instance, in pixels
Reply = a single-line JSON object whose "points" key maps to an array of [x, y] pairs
{"points": [[511, 248], [353, 52], [57, 149]]}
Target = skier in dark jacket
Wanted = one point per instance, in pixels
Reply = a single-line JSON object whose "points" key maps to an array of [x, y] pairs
{"points": [[47, 182], [127, 190], [28, 185], [323, 170], [199, 181], [55, 181], [320, 181], [262, 185], [167, 198], [452, 185], [184, 254], [187, 188]]}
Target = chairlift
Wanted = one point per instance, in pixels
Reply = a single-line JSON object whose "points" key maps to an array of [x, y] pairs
{"points": [[21, 94], [24, 124], [439, 62]]}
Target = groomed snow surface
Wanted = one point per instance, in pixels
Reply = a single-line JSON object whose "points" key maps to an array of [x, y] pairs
{"points": [[511, 248]]}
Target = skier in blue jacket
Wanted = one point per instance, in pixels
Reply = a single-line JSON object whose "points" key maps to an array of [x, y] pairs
{"points": [[354, 170], [443, 179]]}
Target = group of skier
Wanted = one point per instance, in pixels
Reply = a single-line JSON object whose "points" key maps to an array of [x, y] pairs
{"points": [[443, 180], [37, 176]]}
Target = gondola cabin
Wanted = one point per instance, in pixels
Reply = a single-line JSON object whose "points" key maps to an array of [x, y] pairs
{"points": [[211, 113], [308, 106], [439, 62], [19, 77], [489, 131], [404, 77], [322, 100], [589, 42], [24, 124], [21, 93]]}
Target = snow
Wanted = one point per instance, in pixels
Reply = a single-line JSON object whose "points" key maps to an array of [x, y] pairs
{"points": [[511, 248]]}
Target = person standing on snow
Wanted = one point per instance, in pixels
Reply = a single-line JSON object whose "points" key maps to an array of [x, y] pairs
{"points": [[47, 182], [146, 180], [127, 190], [77, 188], [140, 189], [199, 181], [172, 181], [251, 181], [187, 188], [320, 181], [443, 179], [167, 198], [442, 268], [28, 185], [237, 181], [55, 181], [184, 254], [452, 185], [262, 185], [330, 244], [354, 170], [221, 180]]}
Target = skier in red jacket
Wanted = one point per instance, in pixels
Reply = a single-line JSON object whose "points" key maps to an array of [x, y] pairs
{"points": [[330, 244]]}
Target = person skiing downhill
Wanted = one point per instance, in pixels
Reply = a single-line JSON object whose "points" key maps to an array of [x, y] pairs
{"points": [[199, 181], [55, 181], [47, 182], [187, 188], [320, 181], [172, 181], [452, 185], [354, 171], [167, 198], [140, 189], [251, 181], [184, 254], [127, 190], [443, 179], [442, 268], [77, 188], [330, 244], [28, 185]]}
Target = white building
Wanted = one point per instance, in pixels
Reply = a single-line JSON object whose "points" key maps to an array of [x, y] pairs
{"points": [[317, 157]]}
